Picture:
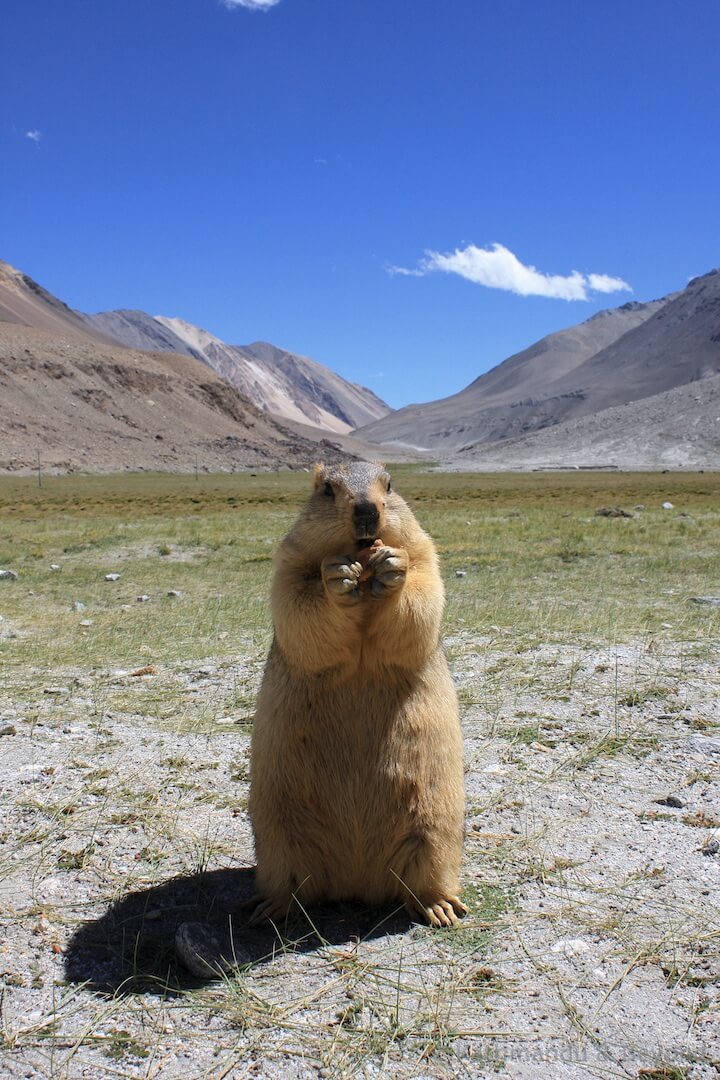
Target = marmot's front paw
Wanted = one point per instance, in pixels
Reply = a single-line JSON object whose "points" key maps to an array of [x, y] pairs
{"points": [[341, 577], [388, 567]]}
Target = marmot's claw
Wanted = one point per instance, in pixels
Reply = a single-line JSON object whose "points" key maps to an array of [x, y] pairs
{"points": [[443, 912], [388, 567], [341, 575]]}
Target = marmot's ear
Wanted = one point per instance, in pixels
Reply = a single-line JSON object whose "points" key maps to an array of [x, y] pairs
{"points": [[319, 474]]}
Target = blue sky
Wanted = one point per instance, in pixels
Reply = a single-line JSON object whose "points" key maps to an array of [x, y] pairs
{"points": [[332, 175]]}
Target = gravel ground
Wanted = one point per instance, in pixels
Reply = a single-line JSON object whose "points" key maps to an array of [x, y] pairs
{"points": [[592, 872]]}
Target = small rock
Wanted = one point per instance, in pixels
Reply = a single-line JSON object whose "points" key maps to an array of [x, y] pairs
{"points": [[8, 729], [174, 592], [668, 506], [9, 575], [670, 800], [612, 512], [56, 691], [461, 573], [86, 622], [714, 600], [666, 626], [54, 566], [112, 577], [710, 847], [570, 946], [79, 606], [142, 599]]}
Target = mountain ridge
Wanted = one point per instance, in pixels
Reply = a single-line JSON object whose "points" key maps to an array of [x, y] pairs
{"points": [[649, 348], [290, 386]]}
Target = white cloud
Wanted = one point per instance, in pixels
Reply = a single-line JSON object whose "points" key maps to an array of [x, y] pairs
{"points": [[497, 268], [604, 283], [252, 5], [404, 272], [34, 136]]}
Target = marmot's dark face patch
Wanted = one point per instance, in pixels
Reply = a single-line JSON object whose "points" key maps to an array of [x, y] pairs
{"points": [[366, 521]]}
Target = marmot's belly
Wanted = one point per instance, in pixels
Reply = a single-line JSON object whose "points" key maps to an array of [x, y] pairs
{"points": [[373, 758]]}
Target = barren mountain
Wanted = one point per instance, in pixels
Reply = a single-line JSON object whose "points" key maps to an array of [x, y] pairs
{"points": [[496, 404], [679, 428], [83, 405], [80, 401], [618, 356], [290, 386]]}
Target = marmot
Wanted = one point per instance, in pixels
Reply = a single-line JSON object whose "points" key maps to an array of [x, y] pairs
{"points": [[356, 774]]}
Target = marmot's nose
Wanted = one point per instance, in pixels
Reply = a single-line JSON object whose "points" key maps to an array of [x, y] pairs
{"points": [[366, 518]]}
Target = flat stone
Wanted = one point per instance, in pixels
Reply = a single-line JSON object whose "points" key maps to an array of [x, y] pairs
{"points": [[199, 950], [112, 577], [9, 575], [705, 744], [714, 600]]}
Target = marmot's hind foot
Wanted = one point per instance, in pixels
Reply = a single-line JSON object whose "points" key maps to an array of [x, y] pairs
{"points": [[446, 911], [267, 910]]}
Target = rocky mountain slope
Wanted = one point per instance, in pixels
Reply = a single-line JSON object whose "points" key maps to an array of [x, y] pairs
{"points": [[138, 331], [617, 356], [679, 428], [80, 402], [280, 382]]}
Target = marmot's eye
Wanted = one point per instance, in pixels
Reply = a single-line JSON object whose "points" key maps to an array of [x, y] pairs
{"points": [[328, 490]]}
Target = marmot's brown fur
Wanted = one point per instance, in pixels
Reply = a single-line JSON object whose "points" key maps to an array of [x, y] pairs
{"points": [[356, 787]]}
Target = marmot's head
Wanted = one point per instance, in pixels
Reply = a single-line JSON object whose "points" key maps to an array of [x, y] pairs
{"points": [[354, 504]]}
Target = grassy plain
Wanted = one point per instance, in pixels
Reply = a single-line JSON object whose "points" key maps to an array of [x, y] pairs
{"points": [[537, 558], [576, 646]]}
